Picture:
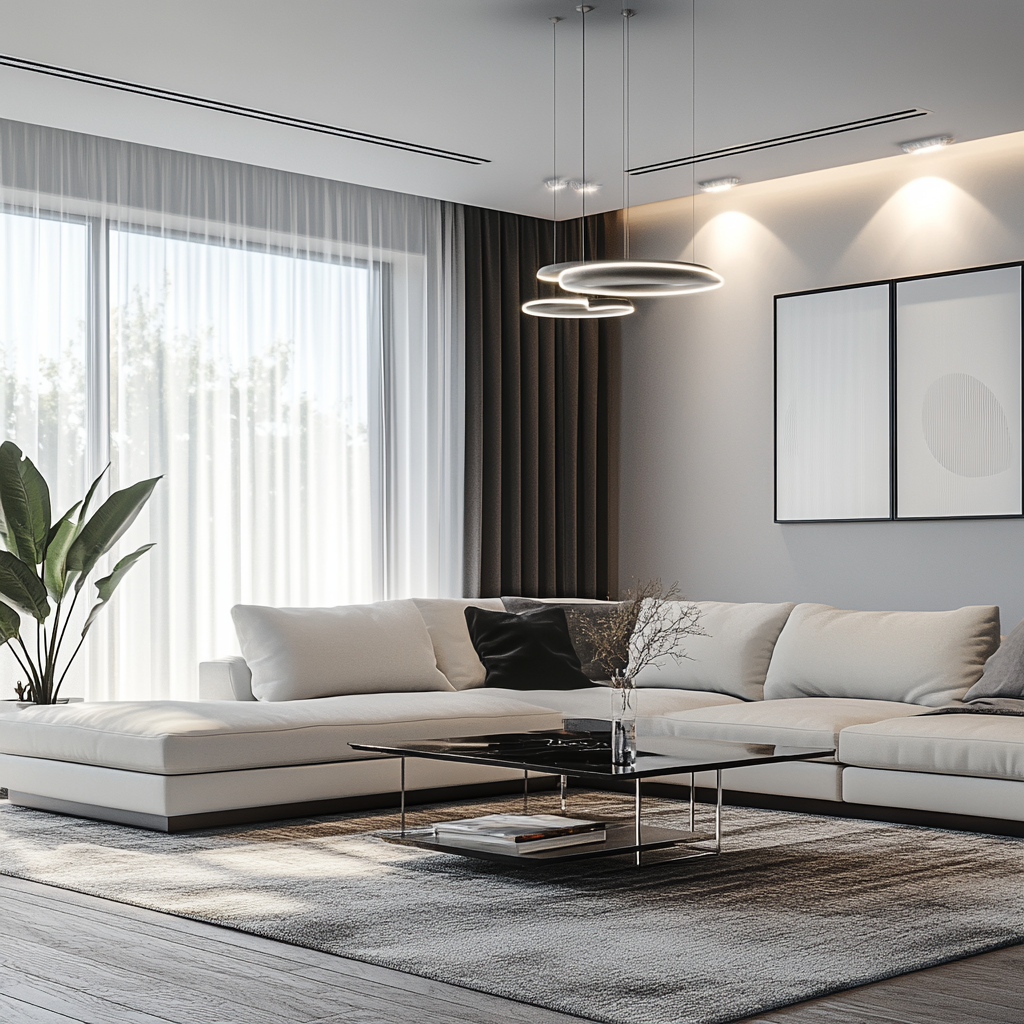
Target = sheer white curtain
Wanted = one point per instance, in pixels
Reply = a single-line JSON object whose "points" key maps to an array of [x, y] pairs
{"points": [[283, 349]]}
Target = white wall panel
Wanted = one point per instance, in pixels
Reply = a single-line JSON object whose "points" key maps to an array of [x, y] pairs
{"points": [[958, 395], [832, 405]]}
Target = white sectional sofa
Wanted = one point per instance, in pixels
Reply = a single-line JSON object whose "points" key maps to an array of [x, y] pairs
{"points": [[862, 682]]}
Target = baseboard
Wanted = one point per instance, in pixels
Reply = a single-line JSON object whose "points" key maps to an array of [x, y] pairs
{"points": [[277, 812]]}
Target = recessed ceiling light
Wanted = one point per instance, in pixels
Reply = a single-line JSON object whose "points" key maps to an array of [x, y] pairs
{"points": [[918, 146], [718, 184]]}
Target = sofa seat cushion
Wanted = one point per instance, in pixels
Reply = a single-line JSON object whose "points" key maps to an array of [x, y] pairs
{"points": [[794, 722], [186, 737], [596, 701], [984, 746]]}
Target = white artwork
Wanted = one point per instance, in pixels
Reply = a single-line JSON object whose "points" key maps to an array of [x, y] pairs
{"points": [[958, 395], [832, 405]]}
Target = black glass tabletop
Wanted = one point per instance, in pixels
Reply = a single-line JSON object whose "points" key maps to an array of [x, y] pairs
{"points": [[588, 753]]}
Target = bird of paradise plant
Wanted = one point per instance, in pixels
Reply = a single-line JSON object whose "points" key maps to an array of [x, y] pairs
{"points": [[45, 563]]}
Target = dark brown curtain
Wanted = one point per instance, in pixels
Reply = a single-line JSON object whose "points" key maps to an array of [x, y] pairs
{"points": [[541, 419]]}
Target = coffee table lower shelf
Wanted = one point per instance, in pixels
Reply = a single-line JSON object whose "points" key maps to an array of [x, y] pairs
{"points": [[621, 840]]}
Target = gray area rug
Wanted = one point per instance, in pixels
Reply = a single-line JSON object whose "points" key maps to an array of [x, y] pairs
{"points": [[796, 907]]}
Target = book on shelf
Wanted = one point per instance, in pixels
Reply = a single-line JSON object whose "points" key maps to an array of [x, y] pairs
{"points": [[521, 833]]}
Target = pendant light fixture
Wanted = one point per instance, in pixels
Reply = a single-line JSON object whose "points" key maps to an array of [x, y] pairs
{"points": [[569, 307], [633, 278]]}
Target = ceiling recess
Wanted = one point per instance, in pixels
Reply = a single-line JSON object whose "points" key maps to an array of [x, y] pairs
{"points": [[56, 71], [782, 140]]}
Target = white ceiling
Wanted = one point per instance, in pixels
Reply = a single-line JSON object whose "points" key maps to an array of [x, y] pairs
{"points": [[475, 76]]}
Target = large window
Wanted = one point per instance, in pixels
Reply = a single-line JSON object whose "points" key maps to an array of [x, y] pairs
{"points": [[280, 349]]}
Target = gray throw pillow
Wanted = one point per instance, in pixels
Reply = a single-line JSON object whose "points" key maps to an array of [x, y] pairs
{"points": [[1004, 671], [574, 613]]}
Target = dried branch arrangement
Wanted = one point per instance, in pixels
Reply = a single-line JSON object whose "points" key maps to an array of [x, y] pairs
{"points": [[650, 623]]}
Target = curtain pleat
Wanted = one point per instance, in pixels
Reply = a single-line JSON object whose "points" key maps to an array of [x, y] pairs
{"points": [[541, 445]]}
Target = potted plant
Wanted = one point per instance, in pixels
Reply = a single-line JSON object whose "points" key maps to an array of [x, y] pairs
{"points": [[45, 564]]}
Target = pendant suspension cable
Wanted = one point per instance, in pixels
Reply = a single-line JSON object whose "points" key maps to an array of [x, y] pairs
{"points": [[554, 139], [584, 9], [693, 130], [627, 13]]}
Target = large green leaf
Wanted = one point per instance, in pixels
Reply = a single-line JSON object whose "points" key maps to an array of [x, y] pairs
{"points": [[22, 587], [18, 506], [108, 584], [39, 505], [10, 623], [54, 572], [106, 527], [88, 498]]}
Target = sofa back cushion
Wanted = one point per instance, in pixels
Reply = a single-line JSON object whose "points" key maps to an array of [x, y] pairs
{"points": [[456, 656], [731, 658], [299, 653], [928, 658]]}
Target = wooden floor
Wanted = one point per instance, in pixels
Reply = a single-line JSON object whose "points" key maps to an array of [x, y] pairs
{"points": [[68, 957]]}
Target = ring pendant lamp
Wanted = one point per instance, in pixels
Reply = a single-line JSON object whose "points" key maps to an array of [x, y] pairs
{"points": [[569, 307], [627, 277]]}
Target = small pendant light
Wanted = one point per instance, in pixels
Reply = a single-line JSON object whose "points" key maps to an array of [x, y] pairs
{"points": [[569, 307], [632, 278]]}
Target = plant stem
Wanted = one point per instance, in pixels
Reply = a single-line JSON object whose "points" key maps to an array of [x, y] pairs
{"points": [[36, 681], [24, 669], [67, 667]]}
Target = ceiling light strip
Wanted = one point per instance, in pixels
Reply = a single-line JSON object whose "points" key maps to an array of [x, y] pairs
{"points": [[782, 140], [56, 71]]}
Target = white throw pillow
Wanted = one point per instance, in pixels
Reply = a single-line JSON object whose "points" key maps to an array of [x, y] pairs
{"points": [[445, 618], [733, 658], [300, 653], [928, 658]]}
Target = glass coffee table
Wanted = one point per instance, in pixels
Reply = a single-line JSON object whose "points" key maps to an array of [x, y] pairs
{"points": [[586, 756]]}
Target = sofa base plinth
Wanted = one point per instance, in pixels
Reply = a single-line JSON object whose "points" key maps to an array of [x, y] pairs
{"points": [[835, 809], [274, 812]]}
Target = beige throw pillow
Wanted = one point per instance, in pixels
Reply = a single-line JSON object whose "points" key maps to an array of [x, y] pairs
{"points": [[300, 653], [445, 619], [733, 658], [928, 658]]}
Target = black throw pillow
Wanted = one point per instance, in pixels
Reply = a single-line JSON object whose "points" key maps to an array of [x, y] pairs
{"points": [[575, 614], [531, 651], [1004, 671]]}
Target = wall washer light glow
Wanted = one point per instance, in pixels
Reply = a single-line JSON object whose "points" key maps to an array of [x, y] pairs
{"points": [[718, 184], [583, 186], [555, 184], [919, 146]]}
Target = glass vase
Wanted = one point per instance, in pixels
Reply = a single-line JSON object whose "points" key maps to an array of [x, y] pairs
{"points": [[623, 720]]}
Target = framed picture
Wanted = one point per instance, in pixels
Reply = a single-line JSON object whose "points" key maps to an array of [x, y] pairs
{"points": [[833, 405], [958, 395]]}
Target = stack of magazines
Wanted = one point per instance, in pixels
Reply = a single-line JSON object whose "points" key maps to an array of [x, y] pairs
{"points": [[520, 833]]}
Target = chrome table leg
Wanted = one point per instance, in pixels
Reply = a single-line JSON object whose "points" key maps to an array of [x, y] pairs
{"points": [[636, 822], [691, 800], [562, 786], [403, 796], [526, 791], [718, 815]]}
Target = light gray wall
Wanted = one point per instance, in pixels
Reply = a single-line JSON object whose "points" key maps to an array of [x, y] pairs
{"points": [[697, 401]]}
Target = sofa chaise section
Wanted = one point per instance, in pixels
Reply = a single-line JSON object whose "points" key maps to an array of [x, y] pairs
{"points": [[171, 765]]}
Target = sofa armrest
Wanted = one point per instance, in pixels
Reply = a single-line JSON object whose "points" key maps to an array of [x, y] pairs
{"points": [[225, 679]]}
